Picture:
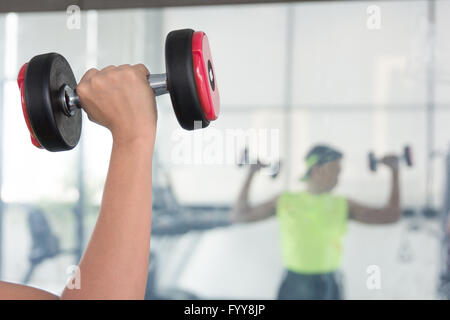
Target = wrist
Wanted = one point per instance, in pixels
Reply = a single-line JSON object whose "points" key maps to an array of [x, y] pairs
{"points": [[143, 140], [146, 135], [395, 174]]}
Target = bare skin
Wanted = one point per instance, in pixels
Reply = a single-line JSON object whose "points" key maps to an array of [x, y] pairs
{"points": [[115, 263], [323, 179]]}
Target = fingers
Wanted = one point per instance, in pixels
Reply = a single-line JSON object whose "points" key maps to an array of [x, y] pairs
{"points": [[142, 69], [390, 161], [89, 74], [108, 68], [389, 158], [139, 69], [263, 165]]}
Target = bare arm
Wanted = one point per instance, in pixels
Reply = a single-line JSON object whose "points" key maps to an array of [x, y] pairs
{"points": [[243, 212], [115, 263], [391, 212]]}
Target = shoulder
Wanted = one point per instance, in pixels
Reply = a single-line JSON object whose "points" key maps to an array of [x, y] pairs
{"points": [[340, 199], [290, 195], [342, 204]]}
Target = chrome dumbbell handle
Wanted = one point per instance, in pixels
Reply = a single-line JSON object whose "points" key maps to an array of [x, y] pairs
{"points": [[70, 101], [158, 82]]}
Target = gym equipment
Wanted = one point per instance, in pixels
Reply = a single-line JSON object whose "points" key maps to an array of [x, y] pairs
{"points": [[444, 279], [51, 106], [406, 156], [273, 167], [170, 220], [45, 244]]}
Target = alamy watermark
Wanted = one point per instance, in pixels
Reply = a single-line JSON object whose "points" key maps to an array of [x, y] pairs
{"points": [[373, 281], [373, 21], [74, 280], [73, 21], [225, 147]]}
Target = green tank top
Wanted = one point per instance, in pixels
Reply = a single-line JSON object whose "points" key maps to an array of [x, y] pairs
{"points": [[312, 228]]}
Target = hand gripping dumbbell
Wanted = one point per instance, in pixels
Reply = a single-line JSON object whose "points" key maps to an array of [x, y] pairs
{"points": [[406, 156], [52, 108], [274, 167]]}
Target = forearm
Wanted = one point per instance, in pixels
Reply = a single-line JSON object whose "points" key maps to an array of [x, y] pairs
{"points": [[115, 263], [394, 198], [392, 211], [389, 213]]}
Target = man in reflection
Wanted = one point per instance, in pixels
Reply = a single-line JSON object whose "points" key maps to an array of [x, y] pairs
{"points": [[314, 221]]}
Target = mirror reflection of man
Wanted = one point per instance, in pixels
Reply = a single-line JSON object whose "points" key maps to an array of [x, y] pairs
{"points": [[314, 221]]}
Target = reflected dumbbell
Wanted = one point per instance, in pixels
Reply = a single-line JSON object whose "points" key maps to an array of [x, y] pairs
{"points": [[406, 156], [245, 159], [273, 168], [52, 108]]}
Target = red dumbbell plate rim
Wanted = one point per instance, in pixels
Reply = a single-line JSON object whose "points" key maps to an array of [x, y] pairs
{"points": [[205, 77], [21, 84]]}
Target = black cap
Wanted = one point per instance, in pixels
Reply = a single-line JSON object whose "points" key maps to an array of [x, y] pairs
{"points": [[320, 155]]}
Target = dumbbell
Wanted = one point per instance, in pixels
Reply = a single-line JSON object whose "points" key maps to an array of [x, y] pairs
{"points": [[52, 108], [406, 156], [245, 161]]}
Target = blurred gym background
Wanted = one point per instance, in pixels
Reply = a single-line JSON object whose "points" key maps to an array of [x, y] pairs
{"points": [[314, 70]]}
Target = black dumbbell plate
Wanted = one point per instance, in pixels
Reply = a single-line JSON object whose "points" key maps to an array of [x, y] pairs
{"points": [[181, 80], [44, 76]]}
